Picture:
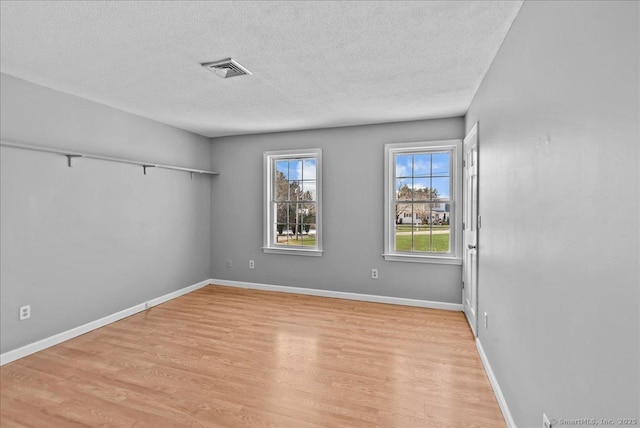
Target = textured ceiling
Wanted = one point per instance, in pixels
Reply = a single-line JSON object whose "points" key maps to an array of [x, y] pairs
{"points": [[314, 64]]}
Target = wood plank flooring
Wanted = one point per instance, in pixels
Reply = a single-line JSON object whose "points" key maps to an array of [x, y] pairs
{"points": [[228, 357]]}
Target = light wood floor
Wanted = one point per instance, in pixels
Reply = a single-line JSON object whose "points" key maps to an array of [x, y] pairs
{"points": [[227, 357]]}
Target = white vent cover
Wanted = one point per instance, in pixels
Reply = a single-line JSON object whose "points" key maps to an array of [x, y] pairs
{"points": [[226, 68]]}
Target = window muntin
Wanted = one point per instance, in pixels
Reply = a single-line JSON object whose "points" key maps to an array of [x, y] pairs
{"points": [[292, 220], [420, 215]]}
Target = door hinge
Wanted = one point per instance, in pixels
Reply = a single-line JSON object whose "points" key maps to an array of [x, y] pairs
{"points": [[464, 226], [464, 163], [479, 222]]}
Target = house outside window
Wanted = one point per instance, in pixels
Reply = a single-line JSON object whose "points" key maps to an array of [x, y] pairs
{"points": [[293, 202], [423, 215]]}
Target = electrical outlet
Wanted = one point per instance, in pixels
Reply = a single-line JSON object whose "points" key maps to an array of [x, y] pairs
{"points": [[486, 320], [25, 312], [251, 264], [229, 264], [374, 273], [545, 422]]}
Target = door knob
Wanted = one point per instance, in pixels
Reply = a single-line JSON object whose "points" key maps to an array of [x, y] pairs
{"points": [[471, 247]]}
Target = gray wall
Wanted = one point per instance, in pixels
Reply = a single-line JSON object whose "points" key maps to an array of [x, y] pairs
{"points": [[352, 213], [559, 187], [81, 243]]}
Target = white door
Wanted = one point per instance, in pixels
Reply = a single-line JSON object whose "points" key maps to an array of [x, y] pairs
{"points": [[470, 226]]}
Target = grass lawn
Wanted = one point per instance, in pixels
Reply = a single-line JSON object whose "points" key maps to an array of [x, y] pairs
{"points": [[439, 242], [307, 240], [407, 227]]}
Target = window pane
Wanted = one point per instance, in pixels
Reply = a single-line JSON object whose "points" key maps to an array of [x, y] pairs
{"points": [[306, 238], [403, 240], [295, 190], [308, 214], [403, 213], [404, 227], [441, 164], [282, 213], [422, 165], [437, 214], [282, 167], [421, 188], [441, 187], [421, 214], [404, 165], [281, 187], [309, 190], [441, 238], [295, 169], [281, 231], [299, 211], [421, 227], [447, 212], [403, 189], [422, 242], [309, 169], [296, 215]]}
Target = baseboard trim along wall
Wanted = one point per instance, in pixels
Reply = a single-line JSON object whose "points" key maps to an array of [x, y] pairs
{"points": [[496, 386], [34, 347], [341, 295]]}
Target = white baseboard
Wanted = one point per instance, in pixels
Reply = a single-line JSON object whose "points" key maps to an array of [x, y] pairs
{"points": [[34, 347], [341, 295], [496, 387]]}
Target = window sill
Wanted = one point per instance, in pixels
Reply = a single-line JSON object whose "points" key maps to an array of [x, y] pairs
{"points": [[422, 259], [292, 251]]}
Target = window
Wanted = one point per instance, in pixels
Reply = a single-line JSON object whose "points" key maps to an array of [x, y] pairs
{"points": [[293, 202], [422, 188]]}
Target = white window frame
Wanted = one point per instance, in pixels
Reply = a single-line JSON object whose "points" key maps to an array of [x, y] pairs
{"points": [[269, 160], [390, 151]]}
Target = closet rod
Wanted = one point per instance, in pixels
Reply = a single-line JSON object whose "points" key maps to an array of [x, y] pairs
{"points": [[70, 154]]}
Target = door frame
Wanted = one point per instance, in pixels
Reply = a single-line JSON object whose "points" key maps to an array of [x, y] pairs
{"points": [[471, 232]]}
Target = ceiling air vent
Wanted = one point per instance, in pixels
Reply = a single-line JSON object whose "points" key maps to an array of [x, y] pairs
{"points": [[226, 68]]}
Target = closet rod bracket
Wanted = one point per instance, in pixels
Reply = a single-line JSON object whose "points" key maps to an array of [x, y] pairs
{"points": [[70, 159], [144, 168]]}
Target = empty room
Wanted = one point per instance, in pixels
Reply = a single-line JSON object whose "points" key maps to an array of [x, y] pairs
{"points": [[319, 214]]}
